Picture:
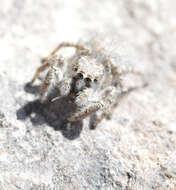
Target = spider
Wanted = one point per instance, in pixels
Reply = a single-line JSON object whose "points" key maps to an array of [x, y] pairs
{"points": [[89, 76]]}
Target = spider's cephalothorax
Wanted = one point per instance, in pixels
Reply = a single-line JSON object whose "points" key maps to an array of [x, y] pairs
{"points": [[88, 76], [87, 73]]}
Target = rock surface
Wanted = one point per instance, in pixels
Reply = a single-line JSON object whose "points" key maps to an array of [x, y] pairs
{"points": [[137, 148]]}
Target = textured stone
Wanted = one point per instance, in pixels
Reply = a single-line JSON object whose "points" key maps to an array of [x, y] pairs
{"points": [[134, 150]]}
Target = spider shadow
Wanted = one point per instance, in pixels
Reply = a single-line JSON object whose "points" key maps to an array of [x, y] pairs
{"points": [[55, 113]]}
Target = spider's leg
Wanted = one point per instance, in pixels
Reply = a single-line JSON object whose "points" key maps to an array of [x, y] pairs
{"points": [[66, 44], [51, 80], [39, 70], [117, 74], [110, 96], [85, 112], [98, 120], [129, 70]]}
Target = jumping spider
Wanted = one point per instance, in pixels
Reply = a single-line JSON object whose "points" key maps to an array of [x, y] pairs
{"points": [[88, 76]]}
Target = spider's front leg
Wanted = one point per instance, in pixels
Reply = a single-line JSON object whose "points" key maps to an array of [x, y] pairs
{"points": [[52, 79], [88, 104], [85, 112]]}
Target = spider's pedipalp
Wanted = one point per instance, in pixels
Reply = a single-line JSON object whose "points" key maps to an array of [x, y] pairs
{"points": [[83, 97]]}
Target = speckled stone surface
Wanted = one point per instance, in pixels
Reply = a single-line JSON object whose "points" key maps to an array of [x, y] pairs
{"points": [[136, 150]]}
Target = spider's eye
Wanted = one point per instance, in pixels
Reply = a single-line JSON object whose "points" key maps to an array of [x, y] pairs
{"points": [[95, 80], [87, 79], [80, 75], [75, 69]]}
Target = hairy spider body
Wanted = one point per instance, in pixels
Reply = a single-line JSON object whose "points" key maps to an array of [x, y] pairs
{"points": [[88, 76]]}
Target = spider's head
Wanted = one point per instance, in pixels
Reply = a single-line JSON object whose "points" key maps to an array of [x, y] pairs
{"points": [[87, 73]]}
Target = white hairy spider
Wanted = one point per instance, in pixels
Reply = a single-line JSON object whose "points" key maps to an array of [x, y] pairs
{"points": [[88, 76]]}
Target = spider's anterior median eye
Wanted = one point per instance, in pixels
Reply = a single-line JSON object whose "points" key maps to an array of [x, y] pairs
{"points": [[87, 79], [80, 75]]}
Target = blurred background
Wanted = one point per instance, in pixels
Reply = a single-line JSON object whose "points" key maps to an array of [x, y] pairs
{"points": [[134, 150]]}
